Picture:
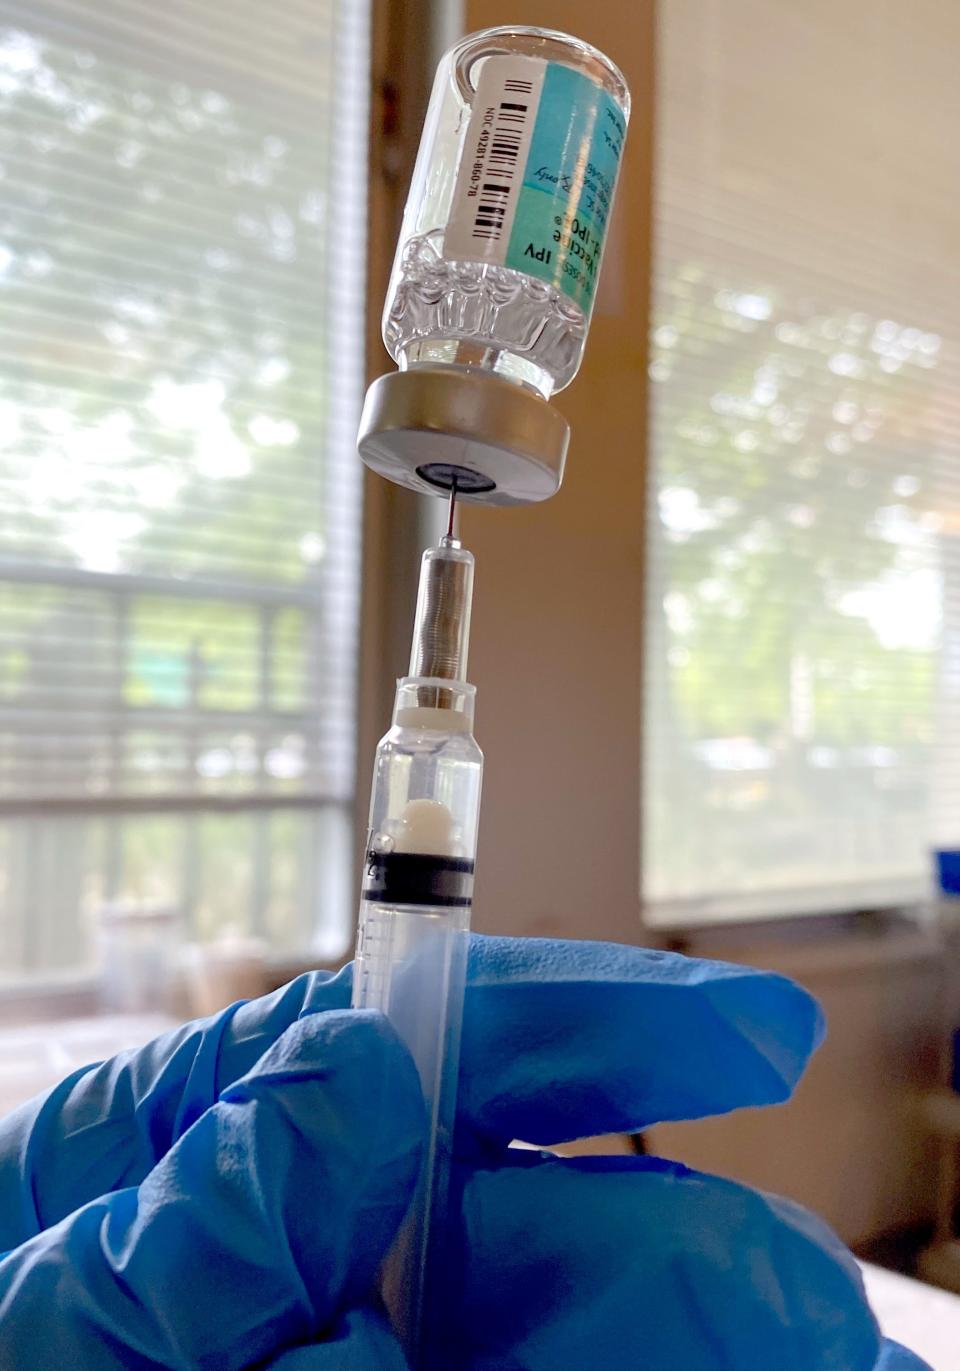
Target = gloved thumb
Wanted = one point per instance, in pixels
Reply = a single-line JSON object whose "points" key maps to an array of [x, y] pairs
{"points": [[257, 1230]]}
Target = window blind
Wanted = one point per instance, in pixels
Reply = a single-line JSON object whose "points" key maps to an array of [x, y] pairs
{"points": [[182, 211], [802, 705]]}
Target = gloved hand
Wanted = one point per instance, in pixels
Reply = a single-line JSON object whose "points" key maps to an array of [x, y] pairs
{"points": [[222, 1197]]}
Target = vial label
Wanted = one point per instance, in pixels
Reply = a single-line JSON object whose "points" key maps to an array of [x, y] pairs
{"points": [[537, 175]]}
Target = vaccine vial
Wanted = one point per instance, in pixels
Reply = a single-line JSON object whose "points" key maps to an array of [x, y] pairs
{"points": [[502, 238], [496, 270]]}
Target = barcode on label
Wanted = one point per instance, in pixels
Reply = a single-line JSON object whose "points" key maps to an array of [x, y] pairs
{"points": [[494, 159], [506, 140]]}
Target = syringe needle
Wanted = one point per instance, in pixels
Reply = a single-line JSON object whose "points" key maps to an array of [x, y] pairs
{"points": [[451, 508]]}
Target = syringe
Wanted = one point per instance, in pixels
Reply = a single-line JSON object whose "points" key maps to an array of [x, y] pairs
{"points": [[415, 911]]}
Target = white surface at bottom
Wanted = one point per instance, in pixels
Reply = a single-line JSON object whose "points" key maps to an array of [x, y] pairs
{"points": [[922, 1317], [36, 1056]]}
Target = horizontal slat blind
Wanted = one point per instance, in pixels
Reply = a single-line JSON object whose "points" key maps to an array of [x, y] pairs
{"points": [[802, 709], [181, 245], [182, 225]]}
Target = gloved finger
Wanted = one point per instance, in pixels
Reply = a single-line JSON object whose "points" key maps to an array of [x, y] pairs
{"points": [[609, 1263], [262, 1224], [106, 1126], [895, 1357], [567, 1039], [361, 1341], [561, 1039]]}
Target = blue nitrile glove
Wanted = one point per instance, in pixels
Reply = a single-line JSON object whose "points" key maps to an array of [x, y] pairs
{"points": [[222, 1197]]}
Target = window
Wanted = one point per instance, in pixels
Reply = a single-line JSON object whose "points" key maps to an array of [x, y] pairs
{"points": [[802, 713], [181, 250]]}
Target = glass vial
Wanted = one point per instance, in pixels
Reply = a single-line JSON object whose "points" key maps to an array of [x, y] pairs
{"points": [[502, 239], [496, 270]]}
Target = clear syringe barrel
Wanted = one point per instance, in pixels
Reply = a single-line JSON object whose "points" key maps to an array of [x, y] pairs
{"points": [[412, 945]]}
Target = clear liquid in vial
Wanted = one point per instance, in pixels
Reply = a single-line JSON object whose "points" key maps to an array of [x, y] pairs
{"points": [[521, 327]]}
